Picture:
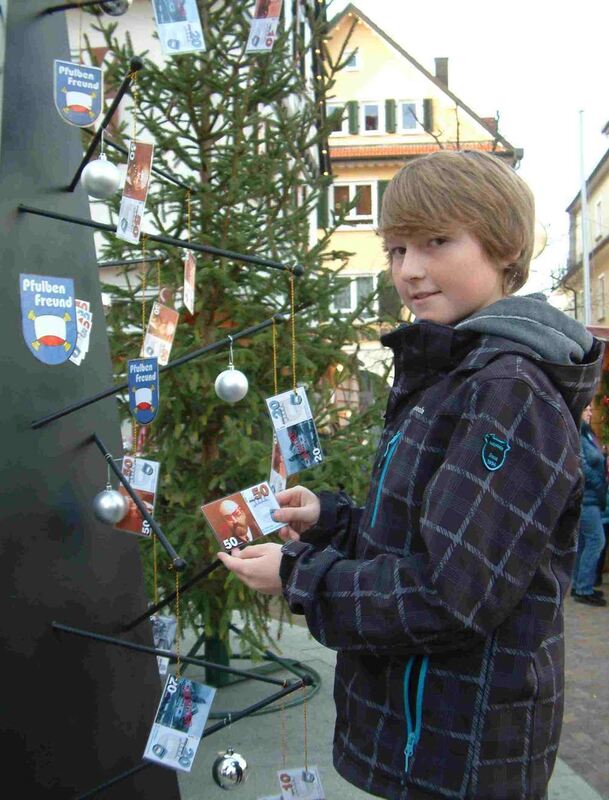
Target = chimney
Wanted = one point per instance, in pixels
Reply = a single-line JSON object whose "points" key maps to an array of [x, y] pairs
{"points": [[442, 70], [490, 122]]}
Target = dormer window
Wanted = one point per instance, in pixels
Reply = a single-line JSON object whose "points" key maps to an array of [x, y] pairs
{"points": [[352, 60]]}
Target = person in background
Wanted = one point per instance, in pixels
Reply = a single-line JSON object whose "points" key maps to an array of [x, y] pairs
{"points": [[591, 538]]}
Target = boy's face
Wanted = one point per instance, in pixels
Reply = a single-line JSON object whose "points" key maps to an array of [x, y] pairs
{"points": [[444, 279]]}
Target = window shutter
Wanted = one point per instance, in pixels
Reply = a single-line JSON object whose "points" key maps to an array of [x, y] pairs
{"points": [[353, 112], [380, 186], [428, 114], [322, 208], [390, 116]]}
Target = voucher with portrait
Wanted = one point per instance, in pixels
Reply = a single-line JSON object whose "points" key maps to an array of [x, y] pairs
{"points": [[160, 333], [243, 516], [143, 477], [135, 191]]}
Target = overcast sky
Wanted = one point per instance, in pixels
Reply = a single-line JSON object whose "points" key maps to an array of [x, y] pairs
{"points": [[536, 62]]}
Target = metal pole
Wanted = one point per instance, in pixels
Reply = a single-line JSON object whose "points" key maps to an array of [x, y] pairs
{"points": [[125, 262], [178, 563], [584, 224], [67, 6], [296, 269], [39, 423], [142, 648], [135, 64], [171, 597]]}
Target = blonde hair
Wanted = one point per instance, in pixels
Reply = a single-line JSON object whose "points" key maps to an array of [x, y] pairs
{"points": [[474, 190]]}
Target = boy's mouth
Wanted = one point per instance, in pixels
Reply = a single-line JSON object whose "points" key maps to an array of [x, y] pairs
{"points": [[423, 295]]}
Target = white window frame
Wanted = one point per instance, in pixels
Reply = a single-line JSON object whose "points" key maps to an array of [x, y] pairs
{"points": [[362, 219], [601, 295], [598, 219], [331, 107], [362, 117], [580, 306], [352, 277], [357, 61], [419, 111]]}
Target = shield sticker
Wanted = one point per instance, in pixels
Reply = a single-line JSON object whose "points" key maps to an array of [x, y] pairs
{"points": [[48, 317], [143, 378], [78, 91], [494, 451]]}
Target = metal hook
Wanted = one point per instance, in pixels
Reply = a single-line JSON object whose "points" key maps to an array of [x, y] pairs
{"points": [[230, 356]]}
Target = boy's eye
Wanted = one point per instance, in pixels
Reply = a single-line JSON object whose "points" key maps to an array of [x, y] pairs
{"points": [[438, 241], [396, 251]]}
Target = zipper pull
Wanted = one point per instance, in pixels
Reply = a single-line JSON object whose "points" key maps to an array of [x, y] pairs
{"points": [[409, 750], [390, 442]]}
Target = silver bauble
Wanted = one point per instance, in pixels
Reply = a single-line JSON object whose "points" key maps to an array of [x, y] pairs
{"points": [[101, 178], [115, 7], [110, 506], [231, 385], [230, 770]]}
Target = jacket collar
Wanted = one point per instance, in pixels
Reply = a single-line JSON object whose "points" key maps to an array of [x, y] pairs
{"points": [[425, 351]]}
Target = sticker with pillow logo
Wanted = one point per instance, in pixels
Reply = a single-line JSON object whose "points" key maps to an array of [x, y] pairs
{"points": [[494, 451]]}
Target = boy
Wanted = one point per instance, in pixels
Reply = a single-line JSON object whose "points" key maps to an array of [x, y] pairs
{"points": [[443, 595]]}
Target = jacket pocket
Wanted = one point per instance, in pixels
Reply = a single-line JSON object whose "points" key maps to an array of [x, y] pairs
{"points": [[415, 675], [384, 466]]}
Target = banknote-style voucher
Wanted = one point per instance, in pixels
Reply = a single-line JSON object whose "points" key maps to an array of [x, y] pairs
{"points": [[295, 430]]}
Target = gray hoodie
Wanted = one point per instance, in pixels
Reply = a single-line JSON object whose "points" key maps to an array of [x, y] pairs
{"points": [[532, 321]]}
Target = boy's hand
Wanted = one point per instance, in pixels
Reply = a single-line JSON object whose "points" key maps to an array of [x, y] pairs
{"points": [[299, 508], [256, 566]]}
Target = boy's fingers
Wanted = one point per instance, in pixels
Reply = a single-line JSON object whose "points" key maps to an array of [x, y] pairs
{"points": [[285, 495], [290, 514], [288, 534]]}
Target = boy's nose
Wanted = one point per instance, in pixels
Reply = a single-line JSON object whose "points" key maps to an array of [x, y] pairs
{"points": [[412, 266]]}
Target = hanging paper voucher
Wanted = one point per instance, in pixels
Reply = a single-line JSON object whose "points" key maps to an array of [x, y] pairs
{"points": [[135, 191], [160, 332], [190, 266], [143, 379], [304, 784], [143, 477], [48, 316], [295, 430], [179, 723], [179, 26], [79, 92], [264, 26]]}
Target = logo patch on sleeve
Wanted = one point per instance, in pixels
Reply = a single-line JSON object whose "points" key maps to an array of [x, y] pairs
{"points": [[494, 451]]}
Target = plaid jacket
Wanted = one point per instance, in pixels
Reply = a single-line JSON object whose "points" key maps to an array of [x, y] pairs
{"points": [[443, 595]]}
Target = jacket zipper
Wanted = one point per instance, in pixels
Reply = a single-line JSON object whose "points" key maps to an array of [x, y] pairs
{"points": [[385, 461], [414, 731]]}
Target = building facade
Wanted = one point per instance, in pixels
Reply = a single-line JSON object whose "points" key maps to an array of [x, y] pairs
{"points": [[595, 229], [387, 109]]}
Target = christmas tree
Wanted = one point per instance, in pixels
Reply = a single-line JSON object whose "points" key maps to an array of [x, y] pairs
{"points": [[248, 134]]}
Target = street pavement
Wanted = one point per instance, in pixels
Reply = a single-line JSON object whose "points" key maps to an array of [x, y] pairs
{"points": [[268, 744]]}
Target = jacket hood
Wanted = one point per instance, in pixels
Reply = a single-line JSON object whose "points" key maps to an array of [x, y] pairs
{"points": [[532, 321], [526, 325], [564, 349]]}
